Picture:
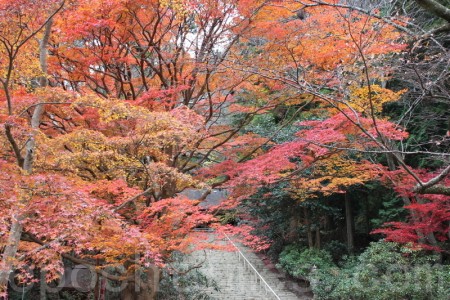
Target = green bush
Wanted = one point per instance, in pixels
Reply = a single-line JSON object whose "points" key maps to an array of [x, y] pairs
{"points": [[336, 249], [385, 271], [299, 262], [228, 218]]}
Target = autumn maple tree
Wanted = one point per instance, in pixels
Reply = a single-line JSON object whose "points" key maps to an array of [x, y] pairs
{"points": [[61, 146], [346, 80], [103, 117], [335, 56]]}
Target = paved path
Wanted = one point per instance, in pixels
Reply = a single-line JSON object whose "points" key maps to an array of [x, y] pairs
{"points": [[235, 279]]}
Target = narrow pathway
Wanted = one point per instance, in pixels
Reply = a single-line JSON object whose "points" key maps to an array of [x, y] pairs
{"points": [[236, 276]]}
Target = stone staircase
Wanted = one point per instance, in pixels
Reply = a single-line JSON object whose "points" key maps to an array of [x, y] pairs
{"points": [[236, 278]]}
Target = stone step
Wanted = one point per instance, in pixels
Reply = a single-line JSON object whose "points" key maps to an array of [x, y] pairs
{"points": [[236, 280]]}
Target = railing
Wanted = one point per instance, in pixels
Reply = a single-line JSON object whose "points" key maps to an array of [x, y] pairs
{"points": [[247, 263], [204, 229], [262, 282]]}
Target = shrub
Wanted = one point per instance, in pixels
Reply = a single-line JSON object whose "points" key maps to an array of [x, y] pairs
{"points": [[336, 249], [299, 262], [385, 271]]}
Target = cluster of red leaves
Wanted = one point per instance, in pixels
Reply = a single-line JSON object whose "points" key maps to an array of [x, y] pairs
{"points": [[429, 214], [243, 234], [113, 191], [161, 100], [62, 215], [316, 142], [169, 222]]}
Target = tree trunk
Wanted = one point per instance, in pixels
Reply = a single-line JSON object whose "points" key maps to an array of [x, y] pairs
{"points": [[308, 228], [43, 288], [100, 288], [7, 263], [435, 8], [143, 289], [349, 223], [292, 234], [430, 236], [39, 109], [366, 216], [317, 237]]}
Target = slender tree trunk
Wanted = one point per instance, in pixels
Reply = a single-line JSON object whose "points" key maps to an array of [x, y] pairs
{"points": [[436, 8], [39, 109], [349, 223], [43, 53], [448, 233], [292, 234], [366, 216], [430, 236], [308, 228], [100, 288], [31, 144], [43, 288], [140, 289], [318, 238], [7, 263]]}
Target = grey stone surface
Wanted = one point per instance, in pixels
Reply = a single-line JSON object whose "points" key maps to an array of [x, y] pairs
{"points": [[213, 199], [235, 279]]}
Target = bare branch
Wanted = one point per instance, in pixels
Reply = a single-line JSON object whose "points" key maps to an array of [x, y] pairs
{"points": [[436, 8], [437, 189], [14, 145], [432, 187], [132, 199]]}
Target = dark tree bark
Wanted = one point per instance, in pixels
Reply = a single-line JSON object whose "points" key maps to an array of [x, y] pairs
{"points": [[436, 8], [349, 224]]}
